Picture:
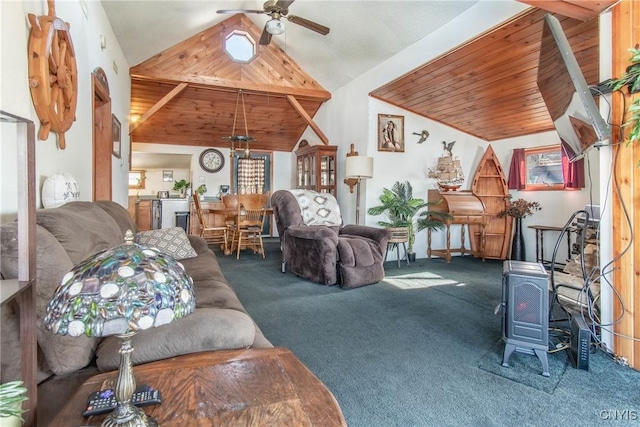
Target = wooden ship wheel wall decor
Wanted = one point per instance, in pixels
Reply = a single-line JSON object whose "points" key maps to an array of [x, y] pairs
{"points": [[53, 74]]}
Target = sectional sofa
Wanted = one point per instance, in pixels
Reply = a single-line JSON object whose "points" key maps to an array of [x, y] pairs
{"points": [[65, 236]]}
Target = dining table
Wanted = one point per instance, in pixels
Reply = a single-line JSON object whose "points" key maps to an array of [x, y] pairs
{"points": [[229, 212]]}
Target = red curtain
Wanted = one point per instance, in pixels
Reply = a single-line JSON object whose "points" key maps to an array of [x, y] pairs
{"points": [[572, 173], [517, 170]]}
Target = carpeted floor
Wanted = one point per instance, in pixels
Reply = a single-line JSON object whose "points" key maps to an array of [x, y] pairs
{"points": [[423, 348]]}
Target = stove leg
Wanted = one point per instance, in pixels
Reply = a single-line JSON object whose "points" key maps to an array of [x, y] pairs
{"points": [[542, 355], [508, 350]]}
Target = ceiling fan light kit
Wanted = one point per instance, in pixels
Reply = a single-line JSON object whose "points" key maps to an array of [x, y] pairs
{"points": [[275, 26], [278, 9]]}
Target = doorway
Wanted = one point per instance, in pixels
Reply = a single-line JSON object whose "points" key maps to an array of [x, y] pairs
{"points": [[102, 136]]}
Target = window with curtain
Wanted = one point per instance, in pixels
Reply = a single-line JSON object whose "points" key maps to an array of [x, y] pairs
{"points": [[251, 176], [545, 168]]}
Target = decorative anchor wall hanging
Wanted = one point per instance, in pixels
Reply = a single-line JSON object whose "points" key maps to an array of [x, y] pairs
{"points": [[53, 74]]}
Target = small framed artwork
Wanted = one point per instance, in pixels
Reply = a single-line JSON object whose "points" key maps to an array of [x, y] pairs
{"points": [[390, 133], [117, 141], [167, 176]]}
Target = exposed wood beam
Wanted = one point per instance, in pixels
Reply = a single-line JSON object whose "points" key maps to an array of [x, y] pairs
{"points": [[218, 83], [158, 105], [294, 102], [626, 198], [583, 10]]}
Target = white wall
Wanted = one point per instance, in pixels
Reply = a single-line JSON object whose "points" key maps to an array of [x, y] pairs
{"points": [[282, 167], [351, 117], [15, 96]]}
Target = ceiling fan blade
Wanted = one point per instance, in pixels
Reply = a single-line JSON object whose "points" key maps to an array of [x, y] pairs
{"points": [[265, 37], [284, 4], [239, 11], [314, 26]]}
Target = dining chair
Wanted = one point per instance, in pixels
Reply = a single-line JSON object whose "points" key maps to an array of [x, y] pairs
{"points": [[211, 233], [249, 223], [230, 202]]}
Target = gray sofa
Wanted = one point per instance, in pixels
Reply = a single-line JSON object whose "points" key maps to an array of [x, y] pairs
{"points": [[65, 236]]}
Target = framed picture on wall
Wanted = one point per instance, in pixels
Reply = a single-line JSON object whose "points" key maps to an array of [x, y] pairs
{"points": [[390, 133], [167, 176], [117, 141]]}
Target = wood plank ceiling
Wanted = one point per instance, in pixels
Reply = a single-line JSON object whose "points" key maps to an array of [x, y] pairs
{"points": [[487, 87], [186, 95]]}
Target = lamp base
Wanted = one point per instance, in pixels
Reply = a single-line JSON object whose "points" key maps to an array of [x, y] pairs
{"points": [[128, 415]]}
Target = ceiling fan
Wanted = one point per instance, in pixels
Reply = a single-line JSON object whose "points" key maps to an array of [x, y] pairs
{"points": [[278, 9]]}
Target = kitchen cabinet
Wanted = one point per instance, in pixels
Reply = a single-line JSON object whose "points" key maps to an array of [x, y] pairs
{"points": [[144, 215], [316, 168]]}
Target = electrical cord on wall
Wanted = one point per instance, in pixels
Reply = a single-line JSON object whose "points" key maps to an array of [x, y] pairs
{"points": [[585, 296]]}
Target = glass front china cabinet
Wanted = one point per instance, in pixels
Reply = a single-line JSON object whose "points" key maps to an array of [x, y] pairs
{"points": [[316, 168]]}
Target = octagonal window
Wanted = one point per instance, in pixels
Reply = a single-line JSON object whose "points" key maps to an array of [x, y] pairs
{"points": [[240, 46]]}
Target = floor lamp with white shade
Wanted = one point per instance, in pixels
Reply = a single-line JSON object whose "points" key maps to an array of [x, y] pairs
{"points": [[358, 168]]}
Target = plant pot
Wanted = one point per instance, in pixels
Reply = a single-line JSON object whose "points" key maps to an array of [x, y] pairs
{"points": [[411, 256], [12, 421], [517, 244]]}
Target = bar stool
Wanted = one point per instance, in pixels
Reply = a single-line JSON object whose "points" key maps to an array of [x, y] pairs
{"points": [[398, 235]]}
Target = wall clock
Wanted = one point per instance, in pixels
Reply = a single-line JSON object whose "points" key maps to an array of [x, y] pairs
{"points": [[53, 74], [211, 160]]}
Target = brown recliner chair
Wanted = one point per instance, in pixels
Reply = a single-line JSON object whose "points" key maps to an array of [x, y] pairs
{"points": [[315, 245]]}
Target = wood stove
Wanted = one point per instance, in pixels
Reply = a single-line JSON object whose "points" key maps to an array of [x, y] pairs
{"points": [[525, 308]]}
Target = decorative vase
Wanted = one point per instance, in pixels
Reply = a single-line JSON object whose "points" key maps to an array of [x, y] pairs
{"points": [[12, 421], [517, 244]]}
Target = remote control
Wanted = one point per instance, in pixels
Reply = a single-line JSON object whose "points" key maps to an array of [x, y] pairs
{"points": [[103, 401]]}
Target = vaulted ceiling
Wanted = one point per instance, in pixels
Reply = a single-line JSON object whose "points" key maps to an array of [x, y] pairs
{"points": [[487, 88], [187, 93]]}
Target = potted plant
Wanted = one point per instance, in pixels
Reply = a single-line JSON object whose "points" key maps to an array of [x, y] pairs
{"points": [[202, 188], [518, 209], [631, 79], [400, 207], [182, 186], [12, 394]]}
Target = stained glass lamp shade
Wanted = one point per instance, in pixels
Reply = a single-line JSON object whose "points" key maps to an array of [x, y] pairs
{"points": [[121, 291]]}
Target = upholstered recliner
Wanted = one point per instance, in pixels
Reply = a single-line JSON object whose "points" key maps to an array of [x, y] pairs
{"points": [[315, 245]]}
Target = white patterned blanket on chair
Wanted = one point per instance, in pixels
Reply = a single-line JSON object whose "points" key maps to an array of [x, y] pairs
{"points": [[318, 208]]}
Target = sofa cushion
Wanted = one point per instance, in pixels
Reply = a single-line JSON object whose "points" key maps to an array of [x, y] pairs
{"points": [[212, 293], [63, 354], [82, 228], [172, 241], [120, 215], [205, 329]]}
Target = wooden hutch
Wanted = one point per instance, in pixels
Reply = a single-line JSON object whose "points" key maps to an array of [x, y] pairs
{"points": [[316, 168]]}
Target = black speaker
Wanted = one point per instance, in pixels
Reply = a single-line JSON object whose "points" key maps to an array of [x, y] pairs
{"points": [[580, 343]]}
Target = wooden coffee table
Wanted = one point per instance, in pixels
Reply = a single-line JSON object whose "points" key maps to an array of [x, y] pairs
{"points": [[254, 387]]}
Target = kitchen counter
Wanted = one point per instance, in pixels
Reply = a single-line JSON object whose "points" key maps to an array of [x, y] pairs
{"points": [[206, 199]]}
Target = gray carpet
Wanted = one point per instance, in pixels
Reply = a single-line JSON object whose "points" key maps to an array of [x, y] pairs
{"points": [[422, 348]]}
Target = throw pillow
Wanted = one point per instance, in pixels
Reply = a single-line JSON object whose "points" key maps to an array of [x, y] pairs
{"points": [[59, 189], [172, 241]]}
